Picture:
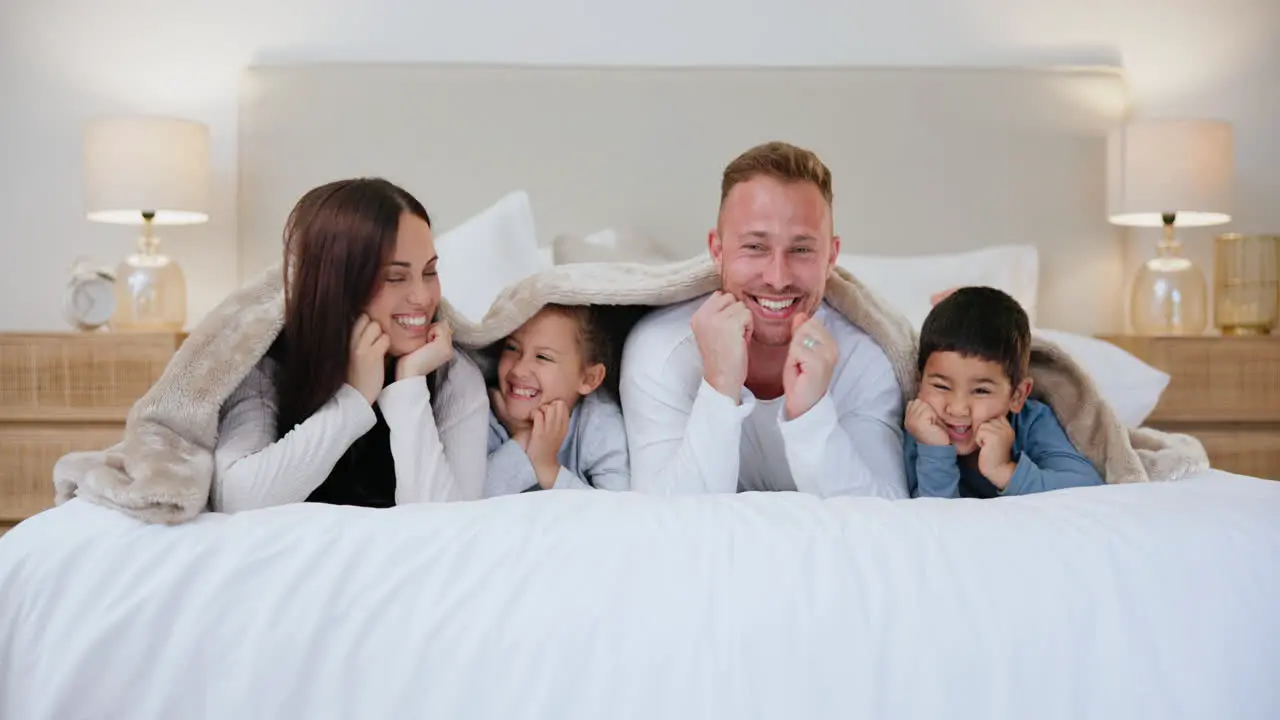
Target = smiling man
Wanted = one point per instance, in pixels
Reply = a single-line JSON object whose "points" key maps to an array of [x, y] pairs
{"points": [[762, 385]]}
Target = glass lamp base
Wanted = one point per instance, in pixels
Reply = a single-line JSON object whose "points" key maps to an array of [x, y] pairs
{"points": [[1168, 298], [151, 295]]}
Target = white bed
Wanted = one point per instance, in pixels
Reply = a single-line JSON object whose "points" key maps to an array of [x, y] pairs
{"points": [[1135, 601], [1155, 600]]}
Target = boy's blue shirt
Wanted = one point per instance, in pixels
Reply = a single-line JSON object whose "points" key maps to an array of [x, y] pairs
{"points": [[1045, 456]]}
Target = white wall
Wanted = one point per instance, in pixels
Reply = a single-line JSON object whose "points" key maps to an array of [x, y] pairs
{"points": [[62, 61]]}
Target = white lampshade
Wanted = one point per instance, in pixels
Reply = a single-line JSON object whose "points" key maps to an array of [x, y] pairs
{"points": [[138, 164], [1185, 167]]}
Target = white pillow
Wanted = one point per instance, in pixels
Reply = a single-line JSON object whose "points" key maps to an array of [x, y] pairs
{"points": [[907, 282], [1130, 386], [611, 244], [487, 252], [546, 256]]}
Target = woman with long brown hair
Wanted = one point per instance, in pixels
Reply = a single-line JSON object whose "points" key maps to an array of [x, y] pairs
{"points": [[361, 400]]}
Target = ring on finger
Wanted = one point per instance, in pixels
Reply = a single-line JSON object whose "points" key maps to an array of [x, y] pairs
{"points": [[808, 342]]}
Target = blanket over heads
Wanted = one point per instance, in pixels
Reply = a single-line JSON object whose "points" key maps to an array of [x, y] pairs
{"points": [[162, 469]]}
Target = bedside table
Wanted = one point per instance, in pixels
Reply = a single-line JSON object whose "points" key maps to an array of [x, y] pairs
{"points": [[65, 392], [1224, 390]]}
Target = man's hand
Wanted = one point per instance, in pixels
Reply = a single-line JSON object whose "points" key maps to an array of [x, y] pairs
{"points": [[923, 424], [722, 329], [811, 360], [550, 425], [995, 454]]}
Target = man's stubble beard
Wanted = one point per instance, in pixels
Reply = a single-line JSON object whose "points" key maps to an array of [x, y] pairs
{"points": [[768, 338]]}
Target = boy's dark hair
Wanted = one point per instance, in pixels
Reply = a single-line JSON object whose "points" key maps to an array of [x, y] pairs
{"points": [[979, 322]]}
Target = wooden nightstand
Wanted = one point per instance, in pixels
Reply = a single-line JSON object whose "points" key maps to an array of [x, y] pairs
{"points": [[64, 392], [1223, 390]]}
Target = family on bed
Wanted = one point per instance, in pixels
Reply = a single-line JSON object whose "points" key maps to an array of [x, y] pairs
{"points": [[761, 386]]}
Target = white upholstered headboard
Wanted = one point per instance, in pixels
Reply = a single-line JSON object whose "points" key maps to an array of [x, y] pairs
{"points": [[924, 160]]}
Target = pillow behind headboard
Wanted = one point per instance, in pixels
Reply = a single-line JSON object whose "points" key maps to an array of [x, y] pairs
{"points": [[1130, 386], [908, 282], [620, 243]]}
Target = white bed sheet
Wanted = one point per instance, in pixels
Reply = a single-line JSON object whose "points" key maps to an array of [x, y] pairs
{"points": [[1145, 601]]}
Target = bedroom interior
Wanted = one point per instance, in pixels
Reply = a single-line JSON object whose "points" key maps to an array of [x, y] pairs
{"points": [[1001, 159]]}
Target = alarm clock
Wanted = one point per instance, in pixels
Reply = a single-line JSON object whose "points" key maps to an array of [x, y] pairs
{"points": [[90, 296]]}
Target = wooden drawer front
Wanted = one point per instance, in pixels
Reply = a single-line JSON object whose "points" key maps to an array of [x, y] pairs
{"points": [[28, 452], [1241, 449], [90, 377], [1249, 451], [1214, 379]]}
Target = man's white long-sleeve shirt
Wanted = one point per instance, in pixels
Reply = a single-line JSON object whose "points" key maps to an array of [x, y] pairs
{"points": [[686, 437]]}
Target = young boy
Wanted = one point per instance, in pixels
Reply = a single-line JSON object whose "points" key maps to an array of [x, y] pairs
{"points": [[972, 431]]}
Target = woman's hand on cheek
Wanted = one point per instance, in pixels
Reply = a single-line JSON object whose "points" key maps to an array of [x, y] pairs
{"points": [[365, 369], [437, 352]]}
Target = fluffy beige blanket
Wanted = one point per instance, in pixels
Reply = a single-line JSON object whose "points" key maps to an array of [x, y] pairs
{"points": [[162, 469]]}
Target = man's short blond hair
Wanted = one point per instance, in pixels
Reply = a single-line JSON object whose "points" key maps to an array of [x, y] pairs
{"points": [[781, 161]]}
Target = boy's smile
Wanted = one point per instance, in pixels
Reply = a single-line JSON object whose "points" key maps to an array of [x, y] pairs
{"points": [[967, 391], [960, 433]]}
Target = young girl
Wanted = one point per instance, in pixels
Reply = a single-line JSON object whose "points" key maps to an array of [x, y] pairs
{"points": [[552, 424], [361, 400]]}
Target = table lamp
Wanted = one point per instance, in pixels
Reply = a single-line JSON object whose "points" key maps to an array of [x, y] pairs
{"points": [[147, 171], [1170, 173]]}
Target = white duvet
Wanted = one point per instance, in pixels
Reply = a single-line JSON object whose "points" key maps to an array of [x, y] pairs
{"points": [[1129, 601]]}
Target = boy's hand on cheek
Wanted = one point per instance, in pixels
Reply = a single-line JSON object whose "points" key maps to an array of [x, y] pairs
{"points": [[995, 455], [923, 424]]}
